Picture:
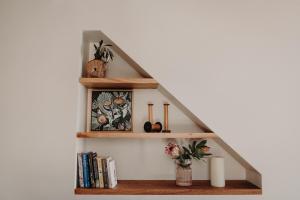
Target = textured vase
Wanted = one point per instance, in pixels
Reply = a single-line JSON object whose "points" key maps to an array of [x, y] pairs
{"points": [[183, 176], [95, 69]]}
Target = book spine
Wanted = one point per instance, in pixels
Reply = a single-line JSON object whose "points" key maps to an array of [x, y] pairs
{"points": [[115, 174], [108, 161], [100, 172], [96, 173], [80, 170], [105, 174], [92, 178], [109, 173], [112, 174], [86, 170]]}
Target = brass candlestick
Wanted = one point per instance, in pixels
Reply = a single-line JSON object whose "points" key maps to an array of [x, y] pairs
{"points": [[166, 119]]}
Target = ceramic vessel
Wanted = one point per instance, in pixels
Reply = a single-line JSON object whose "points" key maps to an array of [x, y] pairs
{"points": [[183, 175], [95, 69]]}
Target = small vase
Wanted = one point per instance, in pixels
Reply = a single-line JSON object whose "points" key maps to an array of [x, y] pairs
{"points": [[184, 175], [95, 69]]}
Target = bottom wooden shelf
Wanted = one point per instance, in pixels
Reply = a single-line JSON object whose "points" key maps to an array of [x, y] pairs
{"points": [[168, 187]]}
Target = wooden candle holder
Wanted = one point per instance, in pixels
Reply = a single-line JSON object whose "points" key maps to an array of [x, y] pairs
{"points": [[149, 126], [166, 119]]}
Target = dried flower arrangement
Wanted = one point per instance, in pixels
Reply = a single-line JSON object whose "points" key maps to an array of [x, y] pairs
{"points": [[184, 155]]}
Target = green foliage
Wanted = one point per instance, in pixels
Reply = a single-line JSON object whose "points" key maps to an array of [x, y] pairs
{"points": [[194, 150], [197, 151], [102, 52]]}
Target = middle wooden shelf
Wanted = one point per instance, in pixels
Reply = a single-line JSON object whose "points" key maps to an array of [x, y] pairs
{"points": [[144, 135]]}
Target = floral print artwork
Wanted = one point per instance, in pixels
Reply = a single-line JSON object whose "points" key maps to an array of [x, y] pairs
{"points": [[111, 110]]}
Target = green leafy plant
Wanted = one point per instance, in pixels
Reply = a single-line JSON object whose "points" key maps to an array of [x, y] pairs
{"points": [[183, 155], [103, 52]]}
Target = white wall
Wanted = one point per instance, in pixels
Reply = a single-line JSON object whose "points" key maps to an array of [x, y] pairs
{"points": [[242, 56]]}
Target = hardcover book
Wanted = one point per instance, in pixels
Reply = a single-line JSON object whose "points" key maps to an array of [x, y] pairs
{"points": [[100, 172], [112, 176], [96, 173], [86, 170], [92, 178], [80, 170], [105, 171]]}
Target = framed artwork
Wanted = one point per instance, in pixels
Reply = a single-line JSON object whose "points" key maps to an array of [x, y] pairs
{"points": [[109, 110]]}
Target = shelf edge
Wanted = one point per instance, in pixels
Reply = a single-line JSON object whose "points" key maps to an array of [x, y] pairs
{"points": [[145, 135]]}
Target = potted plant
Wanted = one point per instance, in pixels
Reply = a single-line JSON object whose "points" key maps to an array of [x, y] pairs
{"points": [[183, 157], [96, 68]]}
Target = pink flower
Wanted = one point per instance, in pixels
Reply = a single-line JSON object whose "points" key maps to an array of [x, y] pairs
{"points": [[172, 150]]}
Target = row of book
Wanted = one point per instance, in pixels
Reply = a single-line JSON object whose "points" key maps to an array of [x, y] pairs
{"points": [[95, 171]]}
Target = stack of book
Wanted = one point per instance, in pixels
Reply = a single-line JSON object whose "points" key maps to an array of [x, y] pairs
{"points": [[95, 171]]}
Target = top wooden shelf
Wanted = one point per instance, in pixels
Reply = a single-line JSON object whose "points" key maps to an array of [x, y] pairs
{"points": [[127, 83], [103, 134]]}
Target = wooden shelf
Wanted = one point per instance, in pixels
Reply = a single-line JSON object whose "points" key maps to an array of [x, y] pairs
{"points": [[127, 83], [168, 187], [143, 135]]}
